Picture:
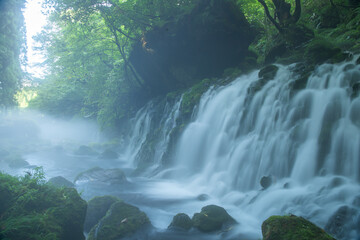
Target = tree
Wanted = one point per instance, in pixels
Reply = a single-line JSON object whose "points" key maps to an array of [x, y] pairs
{"points": [[282, 15], [12, 49]]}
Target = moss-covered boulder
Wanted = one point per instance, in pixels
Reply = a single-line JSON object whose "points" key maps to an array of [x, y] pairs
{"points": [[121, 221], [292, 228], [96, 174], [60, 181], [181, 221], [212, 218], [96, 210], [321, 50], [109, 154], [31, 209], [85, 151]]}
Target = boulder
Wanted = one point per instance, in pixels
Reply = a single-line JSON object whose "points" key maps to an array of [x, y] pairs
{"points": [[121, 221], [109, 154], [212, 218], [181, 221], [16, 161], [292, 228], [341, 222], [111, 176], [85, 151], [266, 182], [60, 181], [96, 210], [203, 197]]}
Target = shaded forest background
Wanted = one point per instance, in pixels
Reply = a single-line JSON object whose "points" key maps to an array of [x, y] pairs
{"points": [[106, 59]]}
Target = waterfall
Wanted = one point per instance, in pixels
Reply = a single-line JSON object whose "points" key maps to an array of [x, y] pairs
{"points": [[305, 139]]}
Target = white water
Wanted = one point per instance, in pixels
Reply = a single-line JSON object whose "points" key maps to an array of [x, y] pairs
{"points": [[307, 140]]}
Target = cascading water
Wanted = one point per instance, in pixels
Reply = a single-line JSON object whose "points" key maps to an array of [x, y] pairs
{"points": [[308, 141]]}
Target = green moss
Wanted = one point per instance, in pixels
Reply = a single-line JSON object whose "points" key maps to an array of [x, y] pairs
{"points": [[292, 228], [192, 97], [122, 220], [320, 50]]}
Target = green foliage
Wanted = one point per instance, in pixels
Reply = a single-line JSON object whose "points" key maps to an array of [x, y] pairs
{"points": [[31, 209], [12, 49]]}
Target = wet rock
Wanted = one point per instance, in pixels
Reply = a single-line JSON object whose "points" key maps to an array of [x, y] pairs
{"points": [[356, 202], [358, 61], [268, 72], [341, 222], [292, 227], [266, 182], [16, 161], [121, 221], [203, 197], [336, 182], [212, 218], [181, 221], [85, 151], [111, 176], [109, 154], [60, 181], [97, 208]]}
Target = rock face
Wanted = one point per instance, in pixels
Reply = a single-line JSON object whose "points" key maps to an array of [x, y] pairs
{"points": [[121, 221], [212, 218], [292, 228], [111, 176], [184, 51], [97, 208], [60, 181], [181, 221]]}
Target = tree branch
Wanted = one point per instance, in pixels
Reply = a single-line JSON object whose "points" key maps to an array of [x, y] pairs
{"points": [[269, 16]]}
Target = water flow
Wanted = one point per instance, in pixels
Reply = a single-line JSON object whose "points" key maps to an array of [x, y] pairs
{"points": [[307, 140]]}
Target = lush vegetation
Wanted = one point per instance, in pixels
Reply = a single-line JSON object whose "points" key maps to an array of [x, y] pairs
{"points": [[31, 209], [12, 50]]}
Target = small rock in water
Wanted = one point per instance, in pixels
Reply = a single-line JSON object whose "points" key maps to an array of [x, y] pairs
{"points": [[112, 176], [292, 227], [181, 221], [85, 150], [212, 218], [266, 182], [109, 154], [203, 197], [60, 181]]}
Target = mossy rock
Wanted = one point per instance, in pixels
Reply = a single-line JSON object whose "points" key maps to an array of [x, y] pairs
{"points": [[60, 181], [181, 221], [268, 72], [292, 228], [97, 208], [321, 50], [112, 176], [109, 154], [85, 151], [212, 218], [121, 221]]}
